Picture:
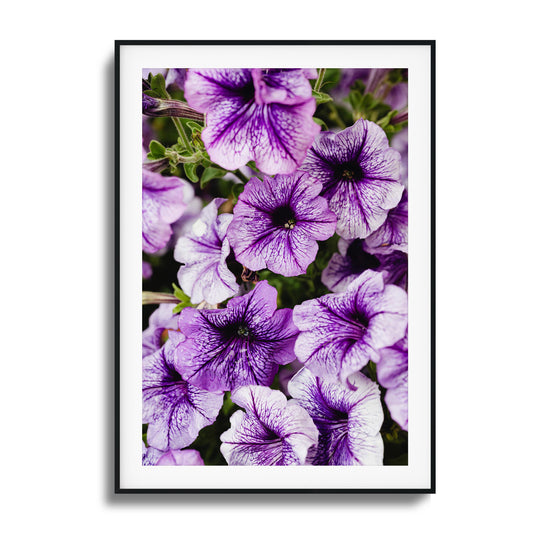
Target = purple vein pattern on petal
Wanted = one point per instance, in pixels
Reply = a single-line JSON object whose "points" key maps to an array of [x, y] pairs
{"points": [[203, 250], [241, 345], [348, 418], [150, 455], [162, 204], [272, 431], [340, 333], [174, 410], [392, 371], [160, 320], [392, 234], [277, 223], [253, 114], [359, 174]]}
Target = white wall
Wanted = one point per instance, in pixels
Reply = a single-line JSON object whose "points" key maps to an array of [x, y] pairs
{"points": [[56, 220]]}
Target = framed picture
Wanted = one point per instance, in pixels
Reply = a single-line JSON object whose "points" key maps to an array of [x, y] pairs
{"points": [[275, 285]]}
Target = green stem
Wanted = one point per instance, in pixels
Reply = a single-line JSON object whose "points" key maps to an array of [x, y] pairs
{"points": [[182, 133], [320, 79], [241, 176], [181, 130]]}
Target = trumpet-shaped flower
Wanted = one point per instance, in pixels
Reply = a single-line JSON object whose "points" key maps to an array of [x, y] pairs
{"points": [[240, 345], [174, 410], [359, 174], [348, 418], [272, 431], [264, 115], [277, 224], [340, 333], [203, 250]]}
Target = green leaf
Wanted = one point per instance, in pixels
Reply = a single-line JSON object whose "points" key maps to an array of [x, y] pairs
{"points": [[190, 171], [155, 94], [355, 98], [321, 123], [211, 173], [193, 126], [158, 84], [395, 76], [157, 150], [322, 98], [179, 308], [185, 300], [179, 294], [385, 121]]}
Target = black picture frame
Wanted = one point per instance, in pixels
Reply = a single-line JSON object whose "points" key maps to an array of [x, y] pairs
{"points": [[119, 46]]}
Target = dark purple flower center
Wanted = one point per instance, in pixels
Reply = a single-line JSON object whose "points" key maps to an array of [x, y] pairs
{"points": [[284, 217], [359, 259], [351, 171], [235, 332], [360, 324]]}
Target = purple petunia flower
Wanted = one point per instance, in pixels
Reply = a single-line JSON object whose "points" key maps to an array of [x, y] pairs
{"points": [[353, 260], [347, 265], [204, 274], [180, 458], [392, 374], [253, 114], [348, 418], [174, 410], [340, 333], [277, 223], [161, 320], [392, 234], [240, 345], [359, 174], [272, 432], [162, 204]]}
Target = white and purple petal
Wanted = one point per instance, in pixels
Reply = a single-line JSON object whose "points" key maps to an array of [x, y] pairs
{"points": [[180, 458], [392, 234], [348, 418], [272, 431], [360, 176], [392, 372], [340, 333], [241, 345], [161, 320], [162, 204], [150, 455], [174, 410], [204, 274]]}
